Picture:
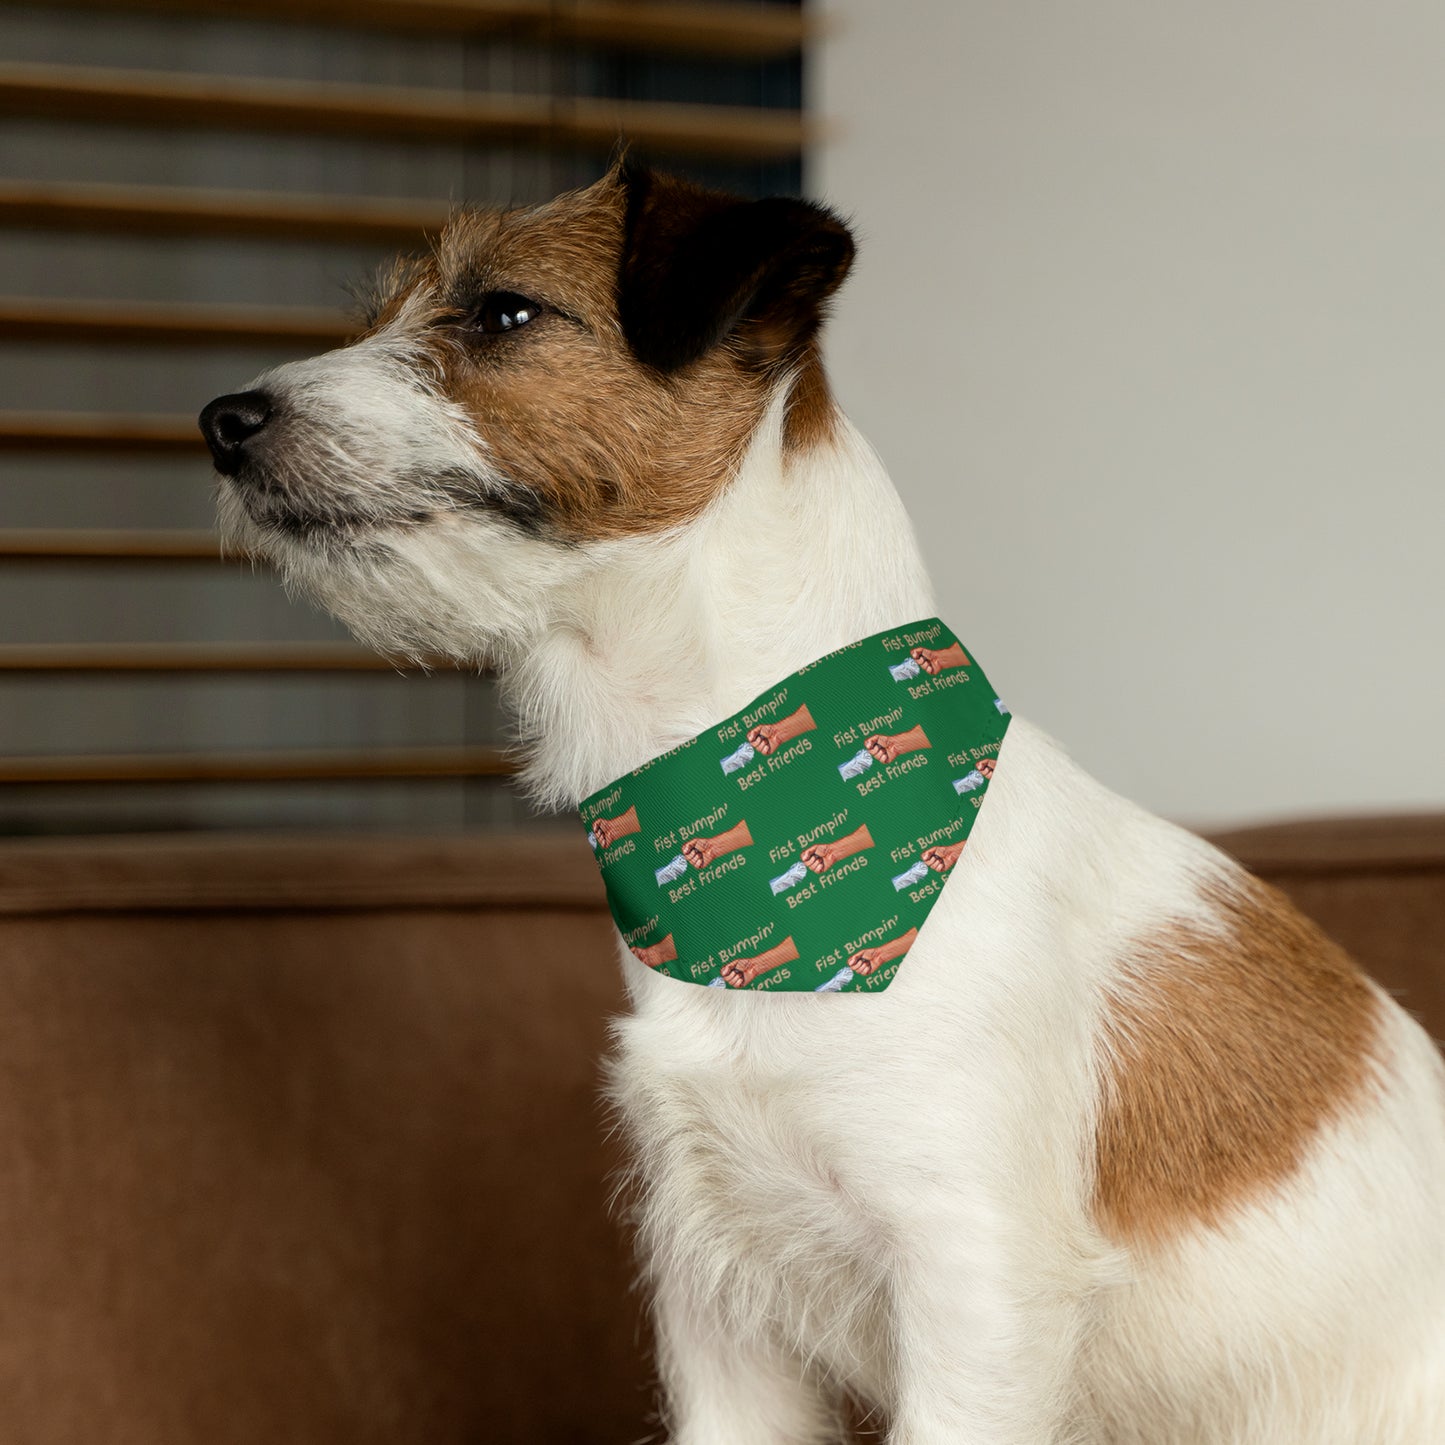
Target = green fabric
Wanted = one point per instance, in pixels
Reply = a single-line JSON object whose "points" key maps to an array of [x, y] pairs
{"points": [[799, 845]]}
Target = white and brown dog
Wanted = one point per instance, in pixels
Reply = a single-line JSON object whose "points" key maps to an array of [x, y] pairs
{"points": [[1129, 1153]]}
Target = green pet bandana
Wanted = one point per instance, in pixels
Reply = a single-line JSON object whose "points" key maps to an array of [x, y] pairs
{"points": [[799, 845]]}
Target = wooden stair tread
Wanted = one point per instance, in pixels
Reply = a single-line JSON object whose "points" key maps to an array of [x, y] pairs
{"points": [[104, 544], [181, 210], [194, 657], [278, 765], [220, 102], [83, 431], [170, 323], [713, 28]]}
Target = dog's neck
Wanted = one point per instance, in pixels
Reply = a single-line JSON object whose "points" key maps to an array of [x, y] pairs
{"points": [[655, 639]]}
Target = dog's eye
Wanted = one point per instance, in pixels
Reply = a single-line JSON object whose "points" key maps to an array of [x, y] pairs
{"points": [[504, 311]]}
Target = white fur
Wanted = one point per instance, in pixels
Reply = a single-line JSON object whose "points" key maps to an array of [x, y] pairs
{"points": [[890, 1194]]}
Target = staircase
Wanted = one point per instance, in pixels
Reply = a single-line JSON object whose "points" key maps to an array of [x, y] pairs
{"points": [[185, 188]]}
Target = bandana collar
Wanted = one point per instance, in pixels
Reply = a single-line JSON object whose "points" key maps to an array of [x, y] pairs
{"points": [[799, 845]]}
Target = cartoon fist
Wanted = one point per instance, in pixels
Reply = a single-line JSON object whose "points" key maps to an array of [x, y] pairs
{"points": [[767, 738], [742, 971], [866, 960], [819, 857], [608, 830], [943, 857], [764, 738], [656, 954], [702, 851], [888, 747], [822, 856], [933, 662]]}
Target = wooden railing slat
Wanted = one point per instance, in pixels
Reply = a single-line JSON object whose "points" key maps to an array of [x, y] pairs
{"points": [[171, 323], [79, 431], [87, 544], [321, 765], [757, 32], [177, 210], [707, 29], [194, 657], [218, 102]]}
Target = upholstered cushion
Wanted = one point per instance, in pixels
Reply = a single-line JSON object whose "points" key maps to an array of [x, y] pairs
{"points": [[302, 1139]]}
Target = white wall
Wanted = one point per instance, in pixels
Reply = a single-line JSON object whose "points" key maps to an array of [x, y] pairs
{"points": [[1149, 324]]}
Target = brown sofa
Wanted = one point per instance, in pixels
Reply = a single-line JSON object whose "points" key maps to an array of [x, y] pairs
{"points": [[302, 1142]]}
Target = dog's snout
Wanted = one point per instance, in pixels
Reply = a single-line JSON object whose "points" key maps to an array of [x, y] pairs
{"points": [[229, 422]]}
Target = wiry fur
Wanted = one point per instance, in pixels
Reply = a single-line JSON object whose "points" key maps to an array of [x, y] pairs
{"points": [[896, 1196]]}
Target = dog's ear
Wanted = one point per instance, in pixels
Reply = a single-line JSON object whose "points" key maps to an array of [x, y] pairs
{"points": [[699, 266]]}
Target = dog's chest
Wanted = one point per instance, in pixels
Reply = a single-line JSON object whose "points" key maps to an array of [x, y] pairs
{"points": [[752, 1175]]}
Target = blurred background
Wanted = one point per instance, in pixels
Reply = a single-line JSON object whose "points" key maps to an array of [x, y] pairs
{"points": [[1146, 323], [186, 193], [1149, 324]]}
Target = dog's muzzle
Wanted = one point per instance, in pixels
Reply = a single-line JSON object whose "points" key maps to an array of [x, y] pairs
{"points": [[230, 422]]}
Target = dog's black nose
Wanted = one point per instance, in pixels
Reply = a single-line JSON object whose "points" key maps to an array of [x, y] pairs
{"points": [[229, 422]]}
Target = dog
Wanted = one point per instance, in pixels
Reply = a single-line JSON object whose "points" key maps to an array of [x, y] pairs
{"points": [[1128, 1153]]}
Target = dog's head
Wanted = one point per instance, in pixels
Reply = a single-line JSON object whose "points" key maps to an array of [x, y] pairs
{"points": [[547, 379]]}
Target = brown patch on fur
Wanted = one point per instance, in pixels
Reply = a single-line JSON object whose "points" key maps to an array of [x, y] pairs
{"points": [[812, 417], [381, 301], [1226, 1054], [606, 445]]}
